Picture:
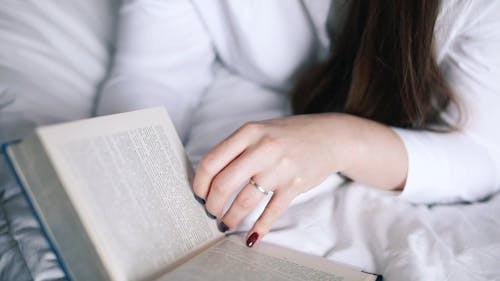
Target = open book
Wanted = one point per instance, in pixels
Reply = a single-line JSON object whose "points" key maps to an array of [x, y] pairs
{"points": [[113, 197]]}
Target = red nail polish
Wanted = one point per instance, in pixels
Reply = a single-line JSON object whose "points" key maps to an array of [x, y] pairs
{"points": [[251, 240]]}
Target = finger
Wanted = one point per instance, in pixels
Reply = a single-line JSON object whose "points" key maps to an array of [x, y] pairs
{"points": [[275, 208], [221, 155], [225, 184], [246, 201]]}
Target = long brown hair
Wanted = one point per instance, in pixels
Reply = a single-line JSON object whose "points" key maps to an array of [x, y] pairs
{"points": [[382, 67]]}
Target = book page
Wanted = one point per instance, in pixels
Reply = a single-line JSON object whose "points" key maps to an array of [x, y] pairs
{"points": [[230, 259], [129, 180]]}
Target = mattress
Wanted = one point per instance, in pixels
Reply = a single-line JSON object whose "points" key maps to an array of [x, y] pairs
{"points": [[53, 58]]}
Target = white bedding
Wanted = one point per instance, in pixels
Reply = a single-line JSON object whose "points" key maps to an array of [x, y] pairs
{"points": [[348, 223]]}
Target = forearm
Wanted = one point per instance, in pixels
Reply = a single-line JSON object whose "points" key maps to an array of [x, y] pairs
{"points": [[374, 153]]}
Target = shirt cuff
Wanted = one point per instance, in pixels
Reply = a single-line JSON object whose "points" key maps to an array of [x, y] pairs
{"points": [[427, 169], [446, 167]]}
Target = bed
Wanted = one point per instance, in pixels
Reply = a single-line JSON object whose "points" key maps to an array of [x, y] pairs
{"points": [[54, 56]]}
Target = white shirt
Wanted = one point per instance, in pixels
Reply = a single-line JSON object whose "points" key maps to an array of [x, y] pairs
{"points": [[167, 51]]}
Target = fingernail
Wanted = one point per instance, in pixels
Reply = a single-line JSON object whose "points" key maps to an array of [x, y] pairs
{"points": [[210, 215], [223, 227], [252, 239], [199, 199]]}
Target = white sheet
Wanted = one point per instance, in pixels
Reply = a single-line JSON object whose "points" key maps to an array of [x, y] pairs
{"points": [[348, 223], [53, 55]]}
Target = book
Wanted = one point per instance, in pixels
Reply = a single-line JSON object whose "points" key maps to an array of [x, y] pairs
{"points": [[113, 197]]}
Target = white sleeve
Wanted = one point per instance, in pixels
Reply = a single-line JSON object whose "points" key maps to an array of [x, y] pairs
{"points": [[164, 56], [463, 165]]}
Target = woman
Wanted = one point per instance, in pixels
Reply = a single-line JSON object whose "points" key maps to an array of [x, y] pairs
{"points": [[399, 95]]}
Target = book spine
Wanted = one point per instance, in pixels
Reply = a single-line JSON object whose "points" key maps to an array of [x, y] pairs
{"points": [[51, 244]]}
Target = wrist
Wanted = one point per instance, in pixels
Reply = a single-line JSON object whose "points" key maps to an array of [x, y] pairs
{"points": [[345, 142], [370, 152]]}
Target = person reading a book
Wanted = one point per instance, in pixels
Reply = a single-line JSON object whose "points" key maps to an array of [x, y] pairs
{"points": [[399, 95]]}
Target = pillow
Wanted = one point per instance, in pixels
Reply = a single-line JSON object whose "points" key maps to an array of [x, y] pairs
{"points": [[53, 56]]}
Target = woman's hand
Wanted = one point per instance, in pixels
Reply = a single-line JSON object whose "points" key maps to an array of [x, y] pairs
{"points": [[287, 156]]}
